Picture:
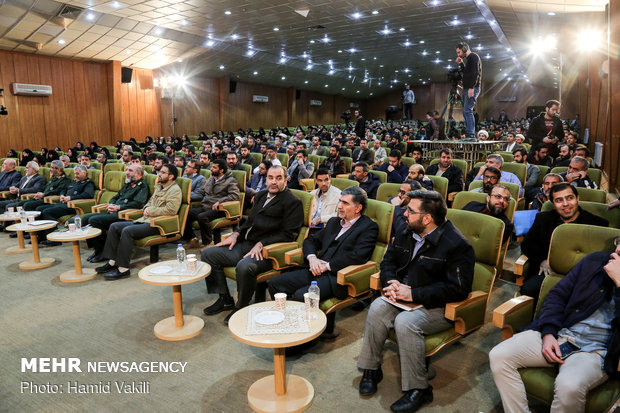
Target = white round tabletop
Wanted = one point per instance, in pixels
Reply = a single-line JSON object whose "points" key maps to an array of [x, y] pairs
{"points": [[67, 236], [238, 325], [14, 216], [33, 227], [173, 276]]}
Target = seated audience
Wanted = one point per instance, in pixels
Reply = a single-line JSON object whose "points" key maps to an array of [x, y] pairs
{"points": [[132, 195], [395, 169], [416, 173], [30, 183], [574, 333], [326, 198], [192, 171], [498, 200], [566, 154], [246, 157], [348, 239], [301, 168], [380, 154], [333, 163], [369, 182], [277, 216], [511, 143], [258, 181], [436, 269], [65, 161], [490, 178], [316, 148], [57, 183], [495, 161], [363, 154], [536, 243], [448, 170], [532, 171], [542, 194], [540, 156], [232, 161], [9, 176], [166, 200], [220, 187], [577, 174], [80, 188]]}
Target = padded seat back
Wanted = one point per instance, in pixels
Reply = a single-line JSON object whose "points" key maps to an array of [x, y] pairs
{"points": [[240, 176], [307, 200], [283, 158], [381, 213], [407, 161], [593, 173], [484, 233], [592, 195], [440, 184], [387, 191], [544, 170], [206, 172], [342, 183], [44, 171], [113, 181], [513, 188], [506, 156], [150, 180], [382, 175], [518, 169], [459, 163], [348, 161], [114, 166], [257, 157]]}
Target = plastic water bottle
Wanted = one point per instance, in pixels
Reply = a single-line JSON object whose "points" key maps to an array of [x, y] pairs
{"points": [[22, 215], [314, 293], [181, 256], [78, 223]]}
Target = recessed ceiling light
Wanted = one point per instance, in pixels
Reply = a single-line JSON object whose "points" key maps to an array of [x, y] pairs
{"points": [[127, 51], [222, 67], [342, 88], [421, 41], [406, 70], [309, 66], [255, 73], [407, 43], [250, 53], [352, 50], [357, 91], [326, 39], [305, 81], [424, 53], [210, 43], [437, 52], [380, 65], [455, 22], [356, 15], [235, 36], [331, 72], [386, 31], [275, 29], [312, 42], [283, 77], [375, 12], [227, 12], [363, 59], [61, 41], [159, 31], [469, 36], [402, 29], [90, 16], [116, 4], [370, 93], [282, 60], [435, 3], [326, 85], [184, 22], [339, 51], [550, 13], [374, 58]]}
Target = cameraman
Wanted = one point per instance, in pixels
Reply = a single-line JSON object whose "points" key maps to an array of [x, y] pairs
{"points": [[408, 99], [471, 66]]}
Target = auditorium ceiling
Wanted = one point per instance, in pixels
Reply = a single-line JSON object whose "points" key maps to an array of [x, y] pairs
{"points": [[339, 46]]}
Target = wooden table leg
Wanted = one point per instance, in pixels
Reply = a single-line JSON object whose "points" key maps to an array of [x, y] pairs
{"points": [[279, 364], [177, 299], [178, 327], [77, 260], [21, 246], [36, 263], [20, 239], [78, 274]]}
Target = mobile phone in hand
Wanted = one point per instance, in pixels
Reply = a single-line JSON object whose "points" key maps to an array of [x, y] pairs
{"points": [[567, 348]]}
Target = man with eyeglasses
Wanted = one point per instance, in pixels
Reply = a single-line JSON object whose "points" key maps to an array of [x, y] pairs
{"points": [[498, 199], [577, 333], [535, 245], [166, 200], [431, 264], [490, 178]]}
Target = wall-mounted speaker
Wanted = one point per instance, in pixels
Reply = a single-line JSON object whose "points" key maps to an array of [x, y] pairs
{"points": [[298, 94], [232, 86], [126, 74]]}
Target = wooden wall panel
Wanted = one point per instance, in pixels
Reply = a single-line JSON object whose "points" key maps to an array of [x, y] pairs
{"points": [[140, 106], [526, 94], [241, 112]]}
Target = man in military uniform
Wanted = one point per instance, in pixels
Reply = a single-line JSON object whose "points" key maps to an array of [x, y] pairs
{"points": [[81, 188], [58, 182], [133, 195]]}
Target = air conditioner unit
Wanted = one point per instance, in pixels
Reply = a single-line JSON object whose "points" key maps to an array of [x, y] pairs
{"points": [[25, 89], [260, 99]]}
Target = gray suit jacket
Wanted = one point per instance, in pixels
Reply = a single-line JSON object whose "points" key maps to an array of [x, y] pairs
{"points": [[36, 184]]}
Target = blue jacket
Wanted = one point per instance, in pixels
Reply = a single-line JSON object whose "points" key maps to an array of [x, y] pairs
{"points": [[579, 294], [370, 186], [398, 175]]}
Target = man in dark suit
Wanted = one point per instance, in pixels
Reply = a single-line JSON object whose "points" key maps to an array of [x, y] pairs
{"points": [[448, 170], [348, 239], [363, 154], [360, 124], [276, 216], [31, 183]]}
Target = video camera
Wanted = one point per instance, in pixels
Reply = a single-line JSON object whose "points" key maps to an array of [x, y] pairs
{"points": [[455, 75]]}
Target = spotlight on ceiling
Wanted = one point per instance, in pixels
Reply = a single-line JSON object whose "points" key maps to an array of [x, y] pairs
{"points": [[589, 39]]}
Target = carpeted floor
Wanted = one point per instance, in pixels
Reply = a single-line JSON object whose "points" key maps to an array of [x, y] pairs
{"points": [[113, 321]]}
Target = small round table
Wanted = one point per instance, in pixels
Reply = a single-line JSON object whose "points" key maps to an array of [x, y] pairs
{"points": [[179, 327], [79, 274], [21, 246], [37, 262], [278, 392]]}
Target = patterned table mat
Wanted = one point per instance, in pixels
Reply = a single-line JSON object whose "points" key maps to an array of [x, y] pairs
{"points": [[295, 321]]}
